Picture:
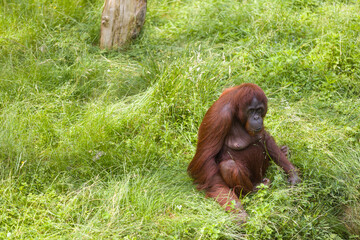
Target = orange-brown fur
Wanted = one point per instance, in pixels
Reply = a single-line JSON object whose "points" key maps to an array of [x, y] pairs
{"points": [[225, 173]]}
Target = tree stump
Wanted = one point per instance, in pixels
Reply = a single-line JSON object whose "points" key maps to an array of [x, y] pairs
{"points": [[121, 22]]}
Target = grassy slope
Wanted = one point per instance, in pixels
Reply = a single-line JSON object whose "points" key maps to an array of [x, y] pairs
{"points": [[95, 144]]}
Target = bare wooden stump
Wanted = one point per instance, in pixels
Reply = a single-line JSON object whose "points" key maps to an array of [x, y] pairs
{"points": [[121, 21]]}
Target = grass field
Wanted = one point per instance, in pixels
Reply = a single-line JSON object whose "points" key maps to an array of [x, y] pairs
{"points": [[94, 144]]}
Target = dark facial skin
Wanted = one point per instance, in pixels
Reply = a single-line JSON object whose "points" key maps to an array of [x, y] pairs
{"points": [[255, 112], [238, 137]]}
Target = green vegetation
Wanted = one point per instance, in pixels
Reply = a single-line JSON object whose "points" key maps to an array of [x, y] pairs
{"points": [[95, 144]]}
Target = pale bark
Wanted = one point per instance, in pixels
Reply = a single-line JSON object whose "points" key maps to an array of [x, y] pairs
{"points": [[121, 22]]}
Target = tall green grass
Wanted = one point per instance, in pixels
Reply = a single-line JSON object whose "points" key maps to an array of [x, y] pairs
{"points": [[94, 144]]}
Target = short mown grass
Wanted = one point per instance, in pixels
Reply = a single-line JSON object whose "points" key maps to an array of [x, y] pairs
{"points": [[95, 144]]}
